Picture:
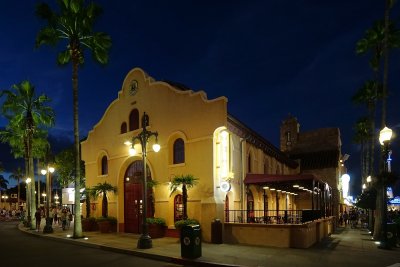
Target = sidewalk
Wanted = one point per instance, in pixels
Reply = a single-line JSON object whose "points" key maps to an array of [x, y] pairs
{"points": [[347, 247]]}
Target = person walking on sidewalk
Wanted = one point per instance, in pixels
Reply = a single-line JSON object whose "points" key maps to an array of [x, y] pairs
{"points": [[38, 217], [345, 218]]}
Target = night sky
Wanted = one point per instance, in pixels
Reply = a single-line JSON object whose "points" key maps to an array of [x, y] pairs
{"points": [[269, 58]]}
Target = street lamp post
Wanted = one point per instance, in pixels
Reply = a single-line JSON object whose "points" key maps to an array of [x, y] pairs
{"points": [[144, 241], [384, 138], [4, 198], [48, 228], [28, 202]]}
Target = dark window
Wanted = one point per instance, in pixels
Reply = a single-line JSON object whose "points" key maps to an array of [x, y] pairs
{"points": [[179, 151], [249, 164], [266, 167], [124, 128], [134, 120], [104, 165], [288, 137]]}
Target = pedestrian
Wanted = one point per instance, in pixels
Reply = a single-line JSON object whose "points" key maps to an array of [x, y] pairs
{"points": [[69, 218], [345, 218], [340, 219], [63, 219], [38, 217], [55, 216]]}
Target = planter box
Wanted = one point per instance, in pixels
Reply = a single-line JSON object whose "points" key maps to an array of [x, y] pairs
{"points": [[157, 230], [89, 225], [106, 227]]}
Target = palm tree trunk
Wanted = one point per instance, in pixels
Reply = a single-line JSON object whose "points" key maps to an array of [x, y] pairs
{"points": [[385, 63], [78, 222], [19, 192], [38, 191], [184, 200], [105, 205]]}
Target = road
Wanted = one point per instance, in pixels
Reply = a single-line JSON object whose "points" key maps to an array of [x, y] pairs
{"points": [[19, 249]]}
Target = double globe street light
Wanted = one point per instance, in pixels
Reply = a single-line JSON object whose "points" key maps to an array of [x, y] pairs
{"points": [[48, 228], [384, 139], [144, 241]]}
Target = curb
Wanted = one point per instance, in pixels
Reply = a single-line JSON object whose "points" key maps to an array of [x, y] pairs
{"points": [[168, 259]]}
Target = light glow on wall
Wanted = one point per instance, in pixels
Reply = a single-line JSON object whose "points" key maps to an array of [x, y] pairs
{"points": [[345, 185], [223, 166]]}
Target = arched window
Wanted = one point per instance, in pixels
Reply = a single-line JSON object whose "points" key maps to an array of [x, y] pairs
{"points": [[124, 128], [134, 120], [179, 151], [266, 166], [250, 206], [104, 165], [249, 164], [178, 208]]}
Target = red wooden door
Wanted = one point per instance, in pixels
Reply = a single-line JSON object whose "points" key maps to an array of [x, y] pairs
{"points": [[133, 198], [133, 205]]}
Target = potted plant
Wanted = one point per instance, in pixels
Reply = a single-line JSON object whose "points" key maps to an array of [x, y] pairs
{"points": [[107, 224], [89, 224], [186, 181], [179, 224], [157, 227]]}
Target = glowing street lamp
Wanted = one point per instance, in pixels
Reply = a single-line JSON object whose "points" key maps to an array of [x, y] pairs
{"points": [[143, 138], [48, 228], [384, 139]]}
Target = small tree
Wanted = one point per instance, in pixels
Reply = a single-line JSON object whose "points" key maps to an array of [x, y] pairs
{"points": [[151, 184], [104, 188], [186, 181]]}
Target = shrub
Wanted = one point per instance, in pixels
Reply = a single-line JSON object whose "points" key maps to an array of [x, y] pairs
{"points": [[181, 223], [112, 220], [160, 221]]}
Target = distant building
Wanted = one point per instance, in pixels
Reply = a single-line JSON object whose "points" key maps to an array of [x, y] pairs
{"points": [[318, 152]]}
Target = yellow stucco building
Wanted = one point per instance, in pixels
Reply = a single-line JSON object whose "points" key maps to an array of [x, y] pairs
{"points": [[198, 137]]}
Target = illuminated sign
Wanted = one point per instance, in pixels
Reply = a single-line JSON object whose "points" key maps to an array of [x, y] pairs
{"points": [[395, 201], [225, 186]]}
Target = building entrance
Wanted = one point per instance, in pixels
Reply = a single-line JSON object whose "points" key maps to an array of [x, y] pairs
{"points": [[133, 197]]}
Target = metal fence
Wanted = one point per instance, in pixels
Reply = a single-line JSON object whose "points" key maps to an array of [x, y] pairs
{"points": [[266, 217]]}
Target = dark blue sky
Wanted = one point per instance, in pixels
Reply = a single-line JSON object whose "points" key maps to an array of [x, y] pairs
{"points": [[269, 58]]}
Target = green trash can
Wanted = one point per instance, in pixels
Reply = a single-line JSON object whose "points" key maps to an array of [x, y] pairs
{"points": [[391, 234], [191, 241]]}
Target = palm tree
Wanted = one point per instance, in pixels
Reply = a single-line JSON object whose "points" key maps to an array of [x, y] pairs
{"points": [[363, 137], [74, 25], [17, 175], [3, 184], [27, 114], [378, 40], [368, 95], [103, 189], [186, 181], [382, 37]]}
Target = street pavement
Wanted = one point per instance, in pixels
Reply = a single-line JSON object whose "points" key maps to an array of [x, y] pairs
{"points": [[346, 247]]}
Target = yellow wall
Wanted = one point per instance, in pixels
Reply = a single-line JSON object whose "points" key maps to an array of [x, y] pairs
{"points": [[173, 113]]}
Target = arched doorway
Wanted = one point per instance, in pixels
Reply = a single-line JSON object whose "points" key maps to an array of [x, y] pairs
{"points": [[250, 206], [227, 219], [133, 197], [178, 208]]}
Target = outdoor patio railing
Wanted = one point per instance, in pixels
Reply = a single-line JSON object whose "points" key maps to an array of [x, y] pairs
{"points": [[271, 216]]}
